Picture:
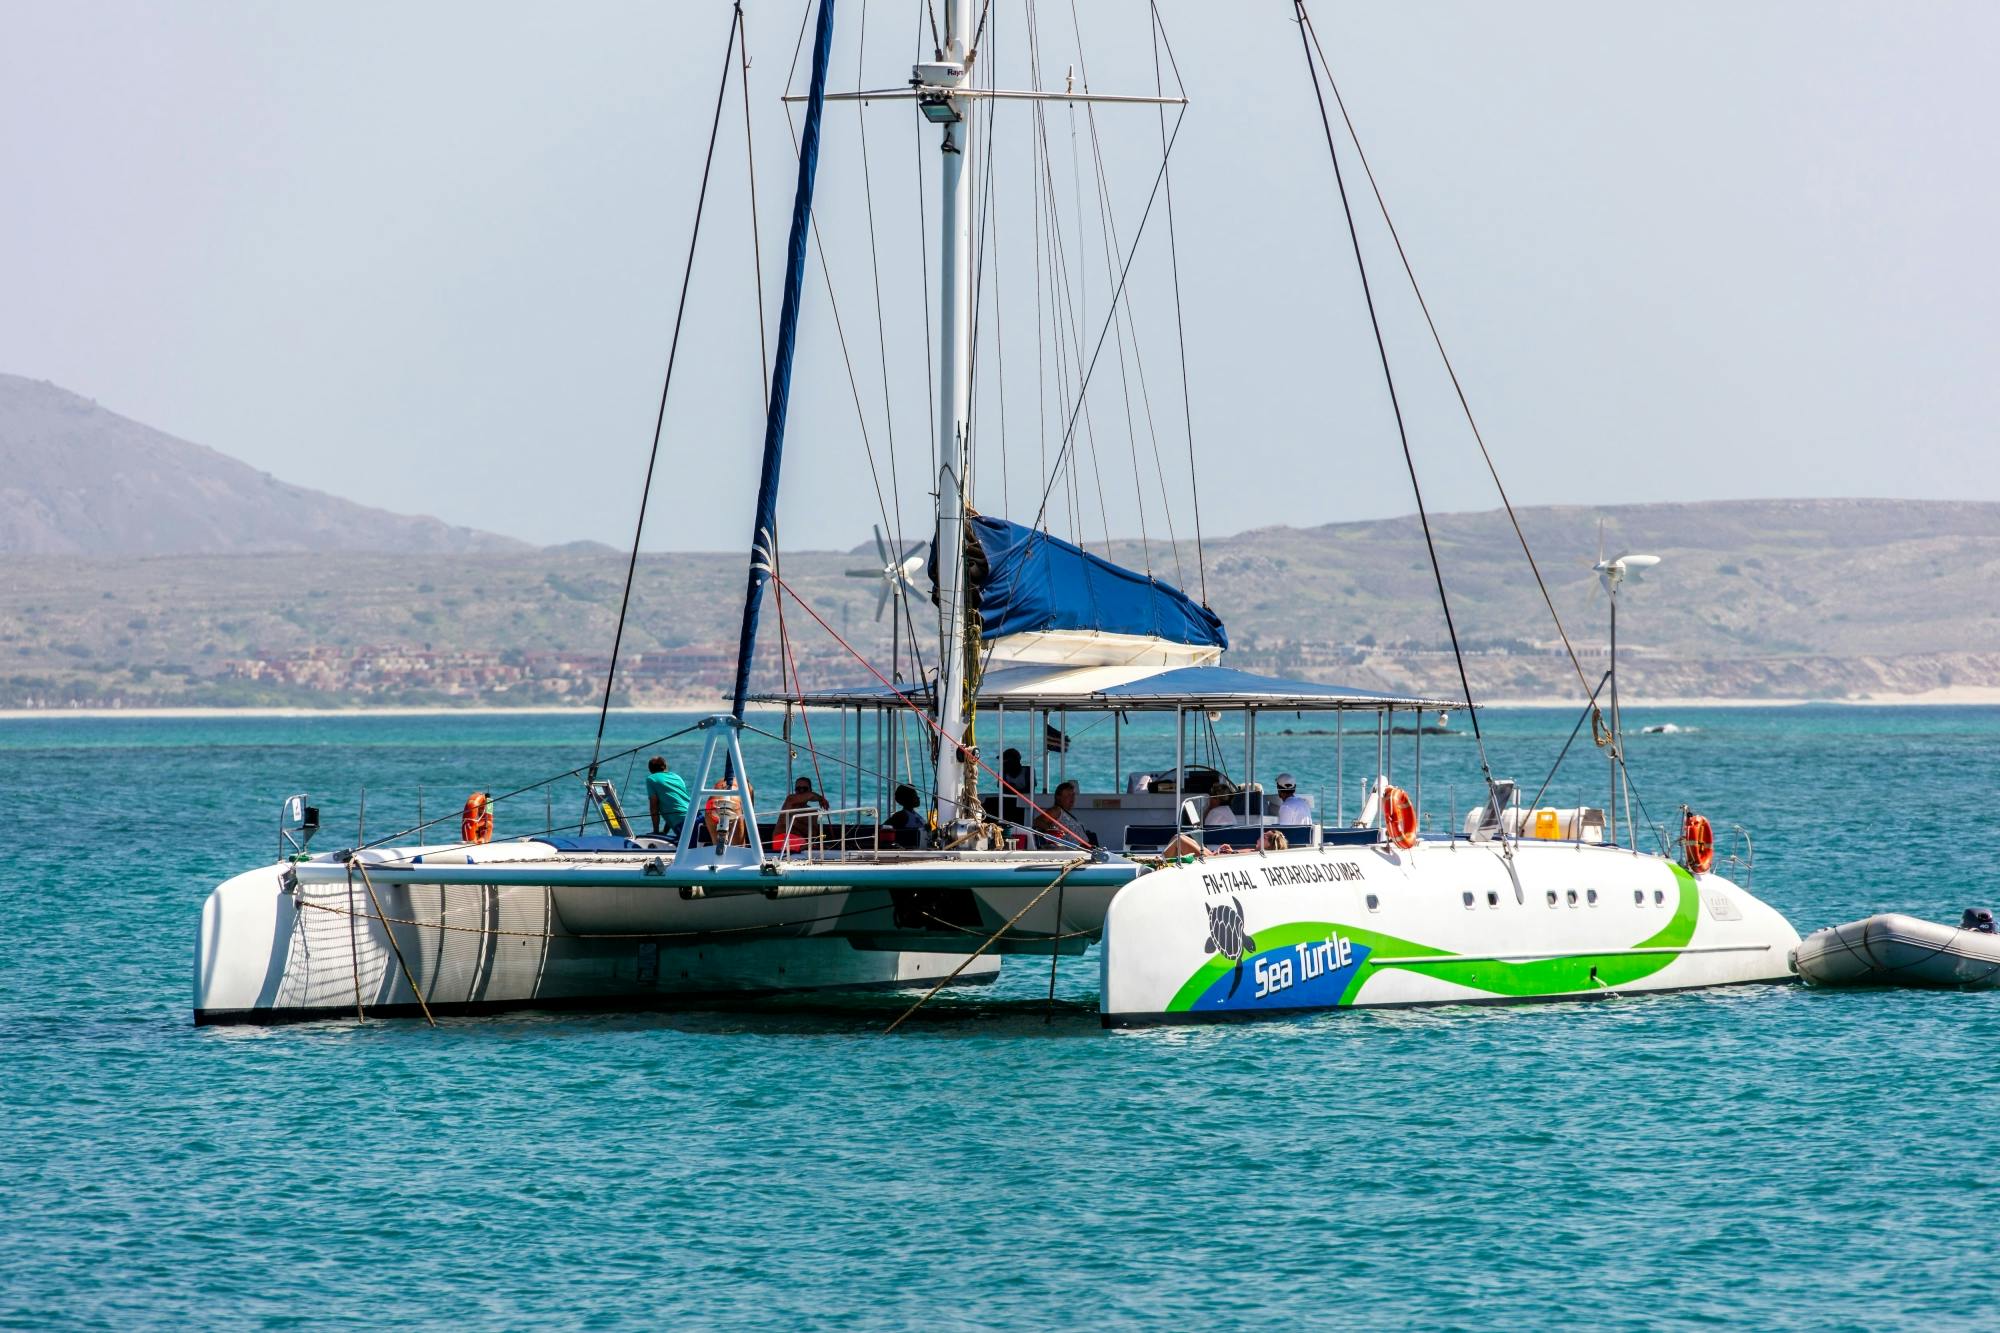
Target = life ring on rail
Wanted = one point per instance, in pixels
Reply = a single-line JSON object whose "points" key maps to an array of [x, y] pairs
{"points": [[476, 824], [1399, 817], [1697, 843]]}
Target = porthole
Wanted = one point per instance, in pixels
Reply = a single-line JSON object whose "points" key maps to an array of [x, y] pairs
{"points": [[1492, 898], [1659, 896], [1638, 897], [1590, 896], [1468, 899], [1572, 897], [1552, 897], [1374, 903]]}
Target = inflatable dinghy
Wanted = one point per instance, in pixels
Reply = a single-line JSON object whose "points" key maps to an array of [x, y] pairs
{"points": [[1896, 950]]}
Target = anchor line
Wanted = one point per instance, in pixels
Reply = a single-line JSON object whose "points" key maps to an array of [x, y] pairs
{"points": [[991, 940], [394, 947]]}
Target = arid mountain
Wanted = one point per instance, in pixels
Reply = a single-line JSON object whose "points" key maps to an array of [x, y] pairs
{"points": [[1777, 599], [76, 479]]}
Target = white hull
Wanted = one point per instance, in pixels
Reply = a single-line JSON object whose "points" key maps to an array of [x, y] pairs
{"points": [[519, 925], [1443, 923], [269, 952]]}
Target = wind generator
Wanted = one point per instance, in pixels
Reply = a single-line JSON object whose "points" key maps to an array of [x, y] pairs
{"points": [[898, 575]]}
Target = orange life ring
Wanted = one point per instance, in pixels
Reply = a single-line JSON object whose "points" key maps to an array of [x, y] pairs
{"points": [[1399, 817], [1697, 843], [476, 824]]}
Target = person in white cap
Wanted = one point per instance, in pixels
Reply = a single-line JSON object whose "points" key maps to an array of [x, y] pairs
{"points": [[1292, 808]]}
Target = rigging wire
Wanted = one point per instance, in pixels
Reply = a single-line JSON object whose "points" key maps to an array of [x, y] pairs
{"points": [[756, 245], [1107, 226], [882, 341], [1069, 431], [1389, 379], [1450, 370], [1180, 323], [666, 383]]}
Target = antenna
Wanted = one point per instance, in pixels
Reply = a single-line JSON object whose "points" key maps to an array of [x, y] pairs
{"points": [[1611, 575]]}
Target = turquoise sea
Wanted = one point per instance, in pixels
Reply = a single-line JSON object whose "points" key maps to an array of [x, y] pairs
{"points": [[1770, 1156]]}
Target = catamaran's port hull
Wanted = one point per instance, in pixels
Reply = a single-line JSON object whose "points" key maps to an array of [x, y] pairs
{"points": [[273, 950]]}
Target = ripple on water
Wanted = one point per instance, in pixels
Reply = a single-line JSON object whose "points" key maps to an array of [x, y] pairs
{"points": [[1770, 1156]]}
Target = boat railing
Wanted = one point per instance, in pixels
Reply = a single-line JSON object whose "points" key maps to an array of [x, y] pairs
{"points": [[820, 835], [1748, 861]]}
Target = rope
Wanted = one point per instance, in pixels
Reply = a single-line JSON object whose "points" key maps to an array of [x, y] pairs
{"points": [[394, 947], [660, 420], [910, 704], [1395, 403], [1589, 710], [1436, 338], [991, 940]]}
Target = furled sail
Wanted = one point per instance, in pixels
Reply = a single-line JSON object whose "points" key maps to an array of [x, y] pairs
{"points": [[1042, 599]]}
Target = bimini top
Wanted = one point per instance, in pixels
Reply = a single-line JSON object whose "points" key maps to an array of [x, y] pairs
{"points": [[1033, 583], [1134, 688]]}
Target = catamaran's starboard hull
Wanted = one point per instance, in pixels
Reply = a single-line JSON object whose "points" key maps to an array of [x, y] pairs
{"points": [[272, 951], [1443, 923]]}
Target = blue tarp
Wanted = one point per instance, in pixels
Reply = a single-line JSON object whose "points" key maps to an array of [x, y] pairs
{"points": [[1036, 583]]}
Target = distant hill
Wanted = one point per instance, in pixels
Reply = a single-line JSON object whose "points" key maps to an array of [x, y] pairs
{"points": [[76, 479], [1765, 599]]}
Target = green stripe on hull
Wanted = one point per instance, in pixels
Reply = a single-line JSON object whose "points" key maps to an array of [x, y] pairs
{"points": [[1549, 976]]}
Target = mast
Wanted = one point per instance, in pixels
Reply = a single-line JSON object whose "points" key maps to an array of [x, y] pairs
{"points": [[935, 83], [764, 536]]}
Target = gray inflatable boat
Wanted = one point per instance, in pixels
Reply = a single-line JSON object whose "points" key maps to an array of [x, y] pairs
{"points": [[1896, 950]]}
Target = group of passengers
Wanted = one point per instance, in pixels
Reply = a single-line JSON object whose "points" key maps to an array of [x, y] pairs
{"points": [[1056, 825]]}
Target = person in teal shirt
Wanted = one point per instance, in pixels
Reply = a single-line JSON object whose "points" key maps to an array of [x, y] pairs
{"points": [[666, 797]]}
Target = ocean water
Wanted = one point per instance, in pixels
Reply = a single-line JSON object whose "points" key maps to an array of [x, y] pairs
{"points": [[1768, 1156]]}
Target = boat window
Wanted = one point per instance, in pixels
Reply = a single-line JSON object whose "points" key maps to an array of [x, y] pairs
{"points": [[1468, 898], [1638, 897], [1591, 896], [1492, 898], [1374, 903], [1572, 897], [1659, 896], [1552, 897]]}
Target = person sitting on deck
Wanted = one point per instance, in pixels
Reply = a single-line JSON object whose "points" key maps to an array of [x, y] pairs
{"points": [[666, 798], [1057, 823], [1218, 814], [725, 817], [1016, 777], [1293, 809], [797, 817], [908, 823]]}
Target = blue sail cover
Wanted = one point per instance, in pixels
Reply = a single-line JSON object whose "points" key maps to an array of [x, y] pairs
{"points": [[1036, 583]]}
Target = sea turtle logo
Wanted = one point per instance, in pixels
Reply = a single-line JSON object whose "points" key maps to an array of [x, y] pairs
{"points": [[1227, 937]]}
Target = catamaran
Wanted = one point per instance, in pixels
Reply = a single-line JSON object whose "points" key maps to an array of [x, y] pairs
{"points": [[1206, 895]]}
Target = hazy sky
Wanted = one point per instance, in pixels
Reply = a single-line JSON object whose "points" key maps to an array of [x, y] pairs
{"points": [[426, 256]]}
